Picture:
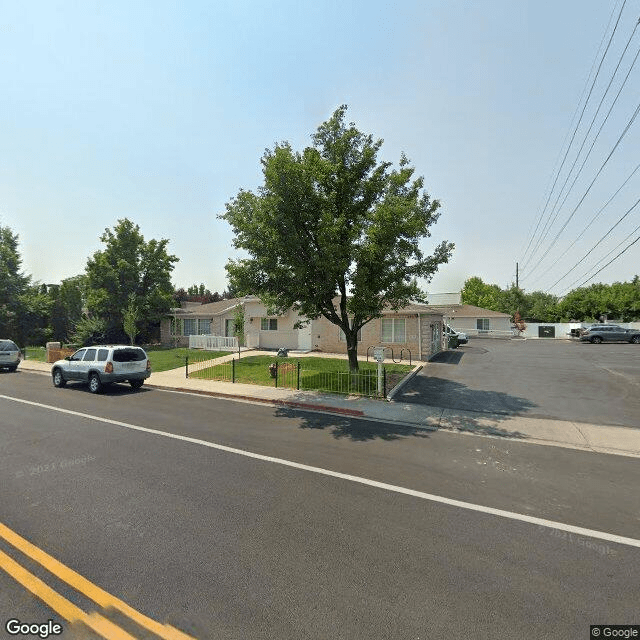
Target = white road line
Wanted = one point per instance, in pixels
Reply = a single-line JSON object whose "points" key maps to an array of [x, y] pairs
{"points": [[551, 524]]}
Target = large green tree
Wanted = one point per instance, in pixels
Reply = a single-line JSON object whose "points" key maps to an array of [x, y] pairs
{"points": [[332, 220], [14, 285], [129, 268], [66, 308]]}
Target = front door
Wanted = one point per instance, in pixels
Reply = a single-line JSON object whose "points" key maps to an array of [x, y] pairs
{"points": [[304, 338]]}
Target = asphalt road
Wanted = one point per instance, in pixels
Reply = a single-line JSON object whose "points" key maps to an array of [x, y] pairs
{"points": [[222, 545], [597, 384]]}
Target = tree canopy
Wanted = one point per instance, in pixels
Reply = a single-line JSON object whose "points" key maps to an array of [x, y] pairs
{"points": [[129, 268], [331, 221], [619, 301]]}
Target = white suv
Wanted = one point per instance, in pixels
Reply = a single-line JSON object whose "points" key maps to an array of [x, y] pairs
{"points": [[9, 355], [103, 364]]}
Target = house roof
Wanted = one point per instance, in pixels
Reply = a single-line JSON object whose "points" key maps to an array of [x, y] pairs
{"points": [[209, 309], [467, 311], [457, 310]]}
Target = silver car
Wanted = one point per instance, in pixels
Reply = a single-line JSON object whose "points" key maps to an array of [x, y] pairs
{"points": [[598, 333], [9, 355], [101, 365]]}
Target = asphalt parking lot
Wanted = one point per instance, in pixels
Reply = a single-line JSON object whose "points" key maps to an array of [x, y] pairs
{"points": [[560, 379]]}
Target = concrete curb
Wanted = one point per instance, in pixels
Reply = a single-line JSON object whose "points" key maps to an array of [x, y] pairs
{"points": [[403, 382], [274, 401]]}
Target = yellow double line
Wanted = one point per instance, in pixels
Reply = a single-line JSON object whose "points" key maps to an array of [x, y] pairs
{"points": [[66, 609]]}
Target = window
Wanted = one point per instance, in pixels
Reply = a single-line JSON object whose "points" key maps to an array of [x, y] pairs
{"points": [[90, 355], [204, 327], [393, 330], [129, 355], [102, 354], [229, 327], [189, 327], [77, 355], [269, 324], [482, 324]]}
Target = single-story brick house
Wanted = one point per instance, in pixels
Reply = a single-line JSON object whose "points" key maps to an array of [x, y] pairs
{"points": [[416, 329]]}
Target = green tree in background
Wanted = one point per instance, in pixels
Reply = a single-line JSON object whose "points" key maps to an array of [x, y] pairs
{"points": [[14, 286], [130, 319], [67, 301], [475, 292], [332, 221], [129, 266]]}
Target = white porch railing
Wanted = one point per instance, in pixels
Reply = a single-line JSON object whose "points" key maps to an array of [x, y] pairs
{"points": [[213, 343]]}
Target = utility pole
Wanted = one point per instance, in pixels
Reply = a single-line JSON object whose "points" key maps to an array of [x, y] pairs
{"points": [[517, 284]]}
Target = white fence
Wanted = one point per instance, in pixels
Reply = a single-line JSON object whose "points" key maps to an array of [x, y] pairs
{"points": [[213, 343]]}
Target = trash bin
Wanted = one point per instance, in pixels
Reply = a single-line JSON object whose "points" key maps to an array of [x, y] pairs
{"points": [[453, 342]]}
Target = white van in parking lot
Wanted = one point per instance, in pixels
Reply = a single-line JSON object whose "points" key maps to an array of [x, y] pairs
{"points": [[103, 364], [462, 337]]}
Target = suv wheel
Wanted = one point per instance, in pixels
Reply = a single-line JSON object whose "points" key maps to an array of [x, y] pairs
{"points": [[95, 386], [136, 384], [596, 340], [58, 380]]}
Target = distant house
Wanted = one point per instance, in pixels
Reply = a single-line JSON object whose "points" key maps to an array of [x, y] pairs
{"points": [[474, 321], [194, 318], [416, 329]]}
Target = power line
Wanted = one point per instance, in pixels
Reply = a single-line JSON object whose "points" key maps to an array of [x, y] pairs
{"points": [[613, 259], [626, 129], [576, 128], [548, 228], [597, 243], [606, 204]]}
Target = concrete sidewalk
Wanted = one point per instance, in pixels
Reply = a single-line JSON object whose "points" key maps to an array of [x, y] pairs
{"points": [[561, 433]]}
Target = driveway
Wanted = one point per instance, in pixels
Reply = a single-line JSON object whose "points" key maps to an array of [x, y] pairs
{"points": [[538, 378]]}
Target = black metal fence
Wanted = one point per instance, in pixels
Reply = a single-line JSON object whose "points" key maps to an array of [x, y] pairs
{"points": [[292, 375]]}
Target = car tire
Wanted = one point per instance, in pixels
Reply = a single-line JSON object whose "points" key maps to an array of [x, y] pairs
{"points": [[635, 340], [13, 368], [136, 384], [95, 386], [596, 340], [58, 379]]}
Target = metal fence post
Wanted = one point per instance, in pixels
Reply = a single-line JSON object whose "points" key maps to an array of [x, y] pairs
{"points": [[276, 374], [186, 364], [298, 382], [384, 382], [233, 369]]}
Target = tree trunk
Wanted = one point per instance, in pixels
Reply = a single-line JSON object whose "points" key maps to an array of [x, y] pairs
{"points": [[352, 349]]}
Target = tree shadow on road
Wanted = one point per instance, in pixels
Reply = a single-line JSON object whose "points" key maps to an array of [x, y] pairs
{"points": [[355, 429]]}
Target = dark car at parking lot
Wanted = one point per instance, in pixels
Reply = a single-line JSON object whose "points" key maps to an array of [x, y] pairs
{"points": [[598, 333]]}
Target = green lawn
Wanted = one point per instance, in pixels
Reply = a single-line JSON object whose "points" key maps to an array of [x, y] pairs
{"points": [[328, 374], [36, 353], [163, 359]]}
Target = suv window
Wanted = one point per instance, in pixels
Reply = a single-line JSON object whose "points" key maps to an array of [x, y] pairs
{"points": [[89, 355], [128, 355], [77, 355], [102, 355], [8, 345]]}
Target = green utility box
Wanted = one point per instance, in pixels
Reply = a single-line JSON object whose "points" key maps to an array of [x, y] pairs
{"points": [[546, 332]]}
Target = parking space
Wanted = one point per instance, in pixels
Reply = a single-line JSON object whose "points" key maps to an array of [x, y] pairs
{"points": [[559, 379]]}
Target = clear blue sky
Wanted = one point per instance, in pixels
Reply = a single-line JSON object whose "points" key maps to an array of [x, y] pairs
{"points": [[160, 111]]}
